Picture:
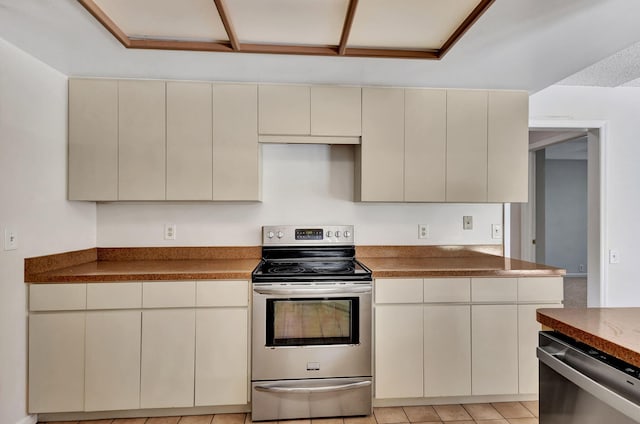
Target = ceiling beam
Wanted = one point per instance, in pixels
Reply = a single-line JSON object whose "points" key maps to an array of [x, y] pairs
{"points": [[200, 46], [346, 29], [464, 27], [226, 21], [106, 21], [392, 53]]}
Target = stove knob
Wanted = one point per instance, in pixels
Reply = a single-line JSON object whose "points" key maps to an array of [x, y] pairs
{"points": [[347, 234], [280, 234], [337, 233], [270, 235], [329, 234]]}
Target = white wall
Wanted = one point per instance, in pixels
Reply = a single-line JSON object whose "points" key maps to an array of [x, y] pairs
{"points": [[566, 214], [302, 184], [33, 138], [619, 106]]}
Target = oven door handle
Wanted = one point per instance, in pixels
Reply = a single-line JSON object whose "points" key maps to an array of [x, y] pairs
{"points": [[275, 388], [315, 290]]}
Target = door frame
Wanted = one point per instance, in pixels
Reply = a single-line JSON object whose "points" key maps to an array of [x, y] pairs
{"points": [[597, 266]]}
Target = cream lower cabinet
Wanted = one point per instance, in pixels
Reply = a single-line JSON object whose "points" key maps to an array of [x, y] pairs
{"points": [[112, 363], [167, 364], [494, 343], [398, 356], [56, 362], [458, 336], [125, 346]]}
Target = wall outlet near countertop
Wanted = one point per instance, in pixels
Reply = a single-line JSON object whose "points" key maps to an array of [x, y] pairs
{"points": [[169, 231], [423, 231]]}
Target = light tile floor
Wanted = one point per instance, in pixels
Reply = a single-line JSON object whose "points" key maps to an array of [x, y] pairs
{"points": [[476, 413]]}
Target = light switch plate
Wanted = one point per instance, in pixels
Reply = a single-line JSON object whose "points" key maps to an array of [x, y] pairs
{"points": [[496, 231], [467, 222]]}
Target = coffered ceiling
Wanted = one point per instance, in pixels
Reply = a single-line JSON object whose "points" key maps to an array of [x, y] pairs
{"points": [[514, 44], [415, 29]]}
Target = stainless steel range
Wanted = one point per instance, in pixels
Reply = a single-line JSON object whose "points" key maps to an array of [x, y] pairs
{"points": [[311, 325]]}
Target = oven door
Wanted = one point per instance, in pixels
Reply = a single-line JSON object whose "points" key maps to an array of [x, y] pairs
{"points": [[305, 331]]}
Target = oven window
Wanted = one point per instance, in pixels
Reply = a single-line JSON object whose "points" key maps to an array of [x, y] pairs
{"points": [[304, 322]]}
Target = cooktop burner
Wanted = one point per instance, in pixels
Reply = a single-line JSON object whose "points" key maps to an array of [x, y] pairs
{"points": [[322, 253]]}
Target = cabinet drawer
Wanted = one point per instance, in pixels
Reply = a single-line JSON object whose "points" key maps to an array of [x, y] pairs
{"points": [[222, 293], [114, 296], [447, 290], [169, 294], [540, 289], [57, 297], [398, 290], [494, 289]]}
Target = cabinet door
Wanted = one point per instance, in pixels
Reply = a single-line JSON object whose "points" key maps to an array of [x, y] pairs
{"points": [[398, 351], [336, 111], [141, 155], [425, 145], [93, 139], [112, 356], [508, 146], [528, 328], [447, 350], [494, 347], [221, 356], [284, 109], [466, 146], [189, 141], [167, 365], [236, 153], [56, 362], [381, 156]]}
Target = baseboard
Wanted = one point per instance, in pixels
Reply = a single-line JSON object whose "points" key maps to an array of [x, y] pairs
{"points": [[29, 419]]}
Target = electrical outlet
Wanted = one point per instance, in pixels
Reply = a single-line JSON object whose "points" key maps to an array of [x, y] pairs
{"points": [[170, 231], [614, 256], [581, 268], [10, 239], [423, 231], [496, 231], [467, 222]]}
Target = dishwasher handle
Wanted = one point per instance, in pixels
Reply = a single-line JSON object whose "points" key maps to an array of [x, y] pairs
{"points": [[572, 366]]}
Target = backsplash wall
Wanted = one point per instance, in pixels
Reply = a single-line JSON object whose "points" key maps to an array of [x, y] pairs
{"points": [[302, 185]]}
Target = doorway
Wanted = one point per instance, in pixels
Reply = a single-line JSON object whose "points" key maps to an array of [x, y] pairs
{"points": [[560, 225]]}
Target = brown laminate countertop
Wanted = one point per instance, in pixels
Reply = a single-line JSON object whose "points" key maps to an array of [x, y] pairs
{"points": [[615, 331], [210, 263], [448, 261]]}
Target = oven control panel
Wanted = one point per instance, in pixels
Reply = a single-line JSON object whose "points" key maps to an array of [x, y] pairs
{"points": [[307, 234]]}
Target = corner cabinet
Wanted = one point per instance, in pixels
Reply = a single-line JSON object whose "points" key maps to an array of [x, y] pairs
{"points": [[163, 140], [427, 145], [458, 337], [126, 346]]}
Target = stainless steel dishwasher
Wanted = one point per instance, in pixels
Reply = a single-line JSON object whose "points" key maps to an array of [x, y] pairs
{"points": [[579, 384]]}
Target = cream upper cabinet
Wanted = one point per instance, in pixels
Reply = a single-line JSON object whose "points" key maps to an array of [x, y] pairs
{"points": [[380, 159], [284, 109], [236, 153], [189, 141], [142, 140], [93, 139], [336, 111], [466, 146], [508, 139], [332, 114], [425, 145]]}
